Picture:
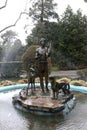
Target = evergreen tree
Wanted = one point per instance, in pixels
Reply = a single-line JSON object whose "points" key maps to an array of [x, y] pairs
{"points": [[73, 41], [43, 10]]}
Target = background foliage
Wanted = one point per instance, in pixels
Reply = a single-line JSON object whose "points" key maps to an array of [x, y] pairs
{"points": [[66, 33]]}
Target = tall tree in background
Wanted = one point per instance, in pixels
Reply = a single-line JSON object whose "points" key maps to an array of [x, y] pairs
{"points": [[73, 41], [11, 46], [68, 36], [43, 10], [8, 39]]}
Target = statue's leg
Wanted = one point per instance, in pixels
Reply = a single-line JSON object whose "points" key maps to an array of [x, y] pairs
{"points": [[46, 81], [32, 88], [41, 83]]}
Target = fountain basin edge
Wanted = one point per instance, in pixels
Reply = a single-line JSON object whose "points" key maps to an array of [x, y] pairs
{"points": [[20, 86]]}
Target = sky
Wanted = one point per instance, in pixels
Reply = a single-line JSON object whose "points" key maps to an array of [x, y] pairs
{"points": [[11, 12]]}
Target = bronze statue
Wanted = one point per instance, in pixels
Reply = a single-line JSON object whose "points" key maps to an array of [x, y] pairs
{"points": [[56, 87], [31, 79], [42, 54]]}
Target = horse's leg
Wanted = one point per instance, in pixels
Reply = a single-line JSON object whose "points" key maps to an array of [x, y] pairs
{"points": [[63, 89], [34, 83], [56, 95], [53, 94], [28, 87]]}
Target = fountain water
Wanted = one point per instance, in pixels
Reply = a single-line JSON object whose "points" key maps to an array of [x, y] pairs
{"points": [[13, 119]]}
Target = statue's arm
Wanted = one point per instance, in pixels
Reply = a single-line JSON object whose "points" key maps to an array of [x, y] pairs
{"points": [[49, 49]]}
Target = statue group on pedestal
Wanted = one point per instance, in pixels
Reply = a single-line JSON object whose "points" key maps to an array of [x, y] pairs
{"points": [[41, 57]]}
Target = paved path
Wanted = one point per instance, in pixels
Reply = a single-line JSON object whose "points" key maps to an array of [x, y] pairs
{"points": [[69, 73]]}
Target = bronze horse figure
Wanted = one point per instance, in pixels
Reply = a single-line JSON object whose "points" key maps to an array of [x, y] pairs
{"points": [[31, 79], [56, 87]]}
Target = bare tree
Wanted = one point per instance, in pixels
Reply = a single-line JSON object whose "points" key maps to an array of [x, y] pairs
{"points": [[4, 5], [85, 0], [18, 17], [12, 25], [15, 22]]}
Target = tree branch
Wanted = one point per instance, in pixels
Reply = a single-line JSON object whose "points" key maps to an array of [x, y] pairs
{"points": [[15, 22], [4, 5], [85, 0]]}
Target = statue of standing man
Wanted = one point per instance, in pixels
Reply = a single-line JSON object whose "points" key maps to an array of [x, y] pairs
{"points": [[42, 54]]}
